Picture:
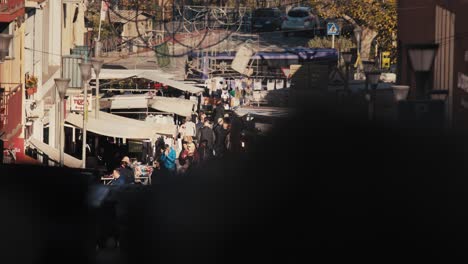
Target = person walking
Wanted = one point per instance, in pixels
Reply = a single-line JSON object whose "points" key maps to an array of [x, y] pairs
{"points": [[201, 120], [205, 153], [221, 133], [118, 180], [126, 171], [219, 111], [190, 128], [206, 133], [168, 159]]}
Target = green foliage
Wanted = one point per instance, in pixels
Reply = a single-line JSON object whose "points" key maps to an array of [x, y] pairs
{"points": [[377, 15], [341, 44]]}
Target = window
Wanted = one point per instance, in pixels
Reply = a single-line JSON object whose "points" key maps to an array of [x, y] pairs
{"points": [[64, 6], [10, 29], [264, 13], [298, 13]]}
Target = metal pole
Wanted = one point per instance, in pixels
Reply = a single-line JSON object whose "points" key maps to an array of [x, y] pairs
{"points": [[62, 132], [373, 97], [85, 115], [97, 106], [347, 77], [333, 41]]}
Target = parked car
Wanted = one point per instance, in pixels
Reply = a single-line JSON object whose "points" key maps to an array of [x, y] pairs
{"points": [[266, 19], [302, 19]]}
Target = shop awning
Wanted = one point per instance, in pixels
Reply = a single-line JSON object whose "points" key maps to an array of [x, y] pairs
{"points": [[54, 154], [116, 126], [177, 106], [153, 75], [130, 101], [263, 111]]}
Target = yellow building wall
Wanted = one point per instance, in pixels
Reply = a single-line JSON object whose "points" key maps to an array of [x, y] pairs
{"points": [[73, 33], [12, 70]]}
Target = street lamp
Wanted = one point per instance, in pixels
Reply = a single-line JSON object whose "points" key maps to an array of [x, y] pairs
{"points": [[85, 68], [61, 86], [347, 57], [368, 66], [97, 65], [422, 58], [400, 92], [357, 34], [373, 77]]}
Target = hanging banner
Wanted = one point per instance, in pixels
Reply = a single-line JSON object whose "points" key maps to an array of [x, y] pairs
{"points": [[104, 9], [241, 61], [279, 84], [258, 84], [162, 52], [77, 103]]}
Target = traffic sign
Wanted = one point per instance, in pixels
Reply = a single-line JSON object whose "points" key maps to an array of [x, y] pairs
{"points": [[333, 29], [286, 72]]}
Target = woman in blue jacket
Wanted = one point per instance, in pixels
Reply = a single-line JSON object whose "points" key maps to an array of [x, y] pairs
{"points": [[168, 158]]}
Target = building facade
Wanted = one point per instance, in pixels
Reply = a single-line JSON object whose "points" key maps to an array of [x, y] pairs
{"points": [[43, 32], [441, 22]]}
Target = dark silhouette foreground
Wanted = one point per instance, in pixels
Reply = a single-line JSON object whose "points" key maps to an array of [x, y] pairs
{"points": [[325, 189]]}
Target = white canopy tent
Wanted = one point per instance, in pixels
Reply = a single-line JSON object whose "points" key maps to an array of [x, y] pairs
{"points": [[54, 153], [153, 75], [177, 106], [121, 127], [263, 111]]}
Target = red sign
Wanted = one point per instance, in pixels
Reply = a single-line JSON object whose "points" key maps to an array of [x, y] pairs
{"points": [[14, 151], [77, 103]]}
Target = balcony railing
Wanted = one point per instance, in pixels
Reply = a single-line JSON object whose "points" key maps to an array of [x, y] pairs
{"points": [[11, 9], [10, 107]]}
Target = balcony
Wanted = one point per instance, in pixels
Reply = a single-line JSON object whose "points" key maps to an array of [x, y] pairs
{"points": [[11, 9]]}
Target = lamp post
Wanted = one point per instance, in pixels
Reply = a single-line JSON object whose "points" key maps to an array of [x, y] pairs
{"points": [[368, 66], [97, 65], [400, 92], [61, 86], [373, 77], [347, 57], [85, 68], [357, 34], [422, 58]]}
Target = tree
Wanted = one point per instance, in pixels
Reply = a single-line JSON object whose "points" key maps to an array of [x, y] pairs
{"points": [[376, 18]]}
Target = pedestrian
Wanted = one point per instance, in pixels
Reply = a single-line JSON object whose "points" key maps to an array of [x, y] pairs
{"points": [[126, 171], [118, 180], [168, 158], [206, 133], [205, 153], [219, 111], [235, 131], [184, 161], [225, 96], [201, 119], [190, 128], [156, 173], [221, 132]]}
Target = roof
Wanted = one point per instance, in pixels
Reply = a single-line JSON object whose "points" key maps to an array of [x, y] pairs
{"points": [[117, 126], [54, 153], [153, 75], [125, 16]]}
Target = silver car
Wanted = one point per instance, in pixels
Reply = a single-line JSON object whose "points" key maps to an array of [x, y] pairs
{"points": [[300, 19]]}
